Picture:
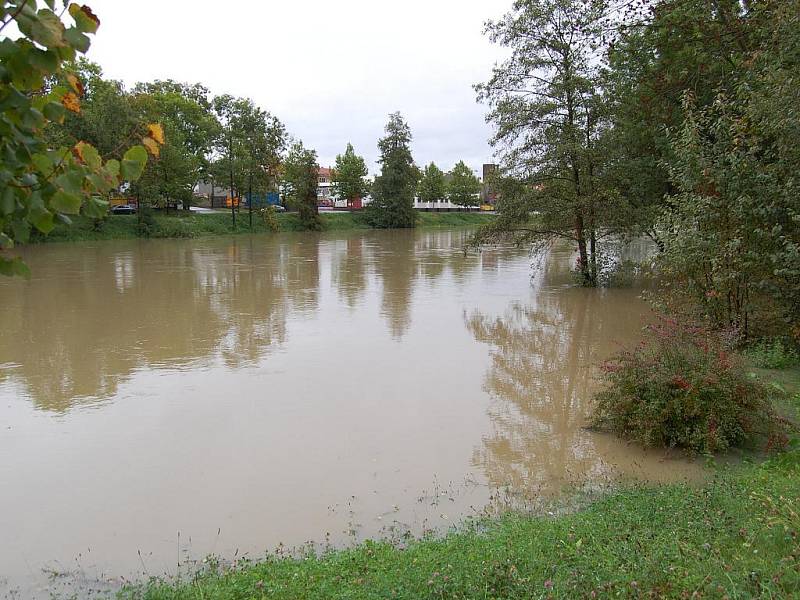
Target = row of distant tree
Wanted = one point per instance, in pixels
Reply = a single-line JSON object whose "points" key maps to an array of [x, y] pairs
{"points": [[233, 144], [71, 138], [460, 186]]}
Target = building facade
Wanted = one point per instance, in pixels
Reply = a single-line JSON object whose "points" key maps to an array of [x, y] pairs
{"points": [[324, 188], [488, 190]]}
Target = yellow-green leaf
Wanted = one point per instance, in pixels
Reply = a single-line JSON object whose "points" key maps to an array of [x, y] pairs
{"points": [[133, 163], [71, 102], [85, 19], [75, 84], [151, 145], [156, 131], [88, 155], [112, 166]]}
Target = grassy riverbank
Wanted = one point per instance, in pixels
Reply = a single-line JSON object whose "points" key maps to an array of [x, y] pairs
{"points": [[734, 537], [187, 225]]}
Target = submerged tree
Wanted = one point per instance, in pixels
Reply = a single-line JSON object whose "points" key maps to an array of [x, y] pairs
{"points": [[545, 105], [300, 180], [700, 146], [393, 190], [732, 233]]}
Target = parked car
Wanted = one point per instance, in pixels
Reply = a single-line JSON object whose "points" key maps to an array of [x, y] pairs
{"points": [[123, 209], [279, 208]]}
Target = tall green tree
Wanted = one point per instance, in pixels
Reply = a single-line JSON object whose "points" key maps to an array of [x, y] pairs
{"points": [[108, 117], [393, 190], [464, 187], [300, 176], [432, 186], [696, 45], [249, 148], [42, 182], [350, 175], [731, 228], [191, 129], [265, 143], [544, 102]]}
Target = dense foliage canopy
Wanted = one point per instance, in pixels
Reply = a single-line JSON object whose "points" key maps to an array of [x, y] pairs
{"points": [[464, 187], [43, 182], [350, 175], [300, 184], [393, 190], [432, 186], [670, 118]]}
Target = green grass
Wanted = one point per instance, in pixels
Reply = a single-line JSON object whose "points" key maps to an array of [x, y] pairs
{"points": [[736, 536], [430, 219], [184, 225], [773, 354]]}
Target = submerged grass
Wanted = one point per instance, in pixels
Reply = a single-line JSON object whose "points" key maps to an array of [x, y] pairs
{"points": [[737, 536], [190, 225]]}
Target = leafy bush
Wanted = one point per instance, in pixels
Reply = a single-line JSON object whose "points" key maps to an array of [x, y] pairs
{"points": [[611, 272], [146, 224], [99, 224], [270, 217], [773, 354], [172, 228], [682, 387]]}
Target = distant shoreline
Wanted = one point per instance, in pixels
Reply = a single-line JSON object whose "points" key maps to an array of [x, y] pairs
{"points": [[194, 225]]}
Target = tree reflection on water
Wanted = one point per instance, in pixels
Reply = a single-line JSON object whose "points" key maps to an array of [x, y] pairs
{"points": [[541, 380]]}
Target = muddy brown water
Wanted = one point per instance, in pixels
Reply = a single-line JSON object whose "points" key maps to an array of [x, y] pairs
{"points": [[165, 400]]}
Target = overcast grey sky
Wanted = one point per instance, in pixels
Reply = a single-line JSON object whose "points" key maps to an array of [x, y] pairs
{"points": [[331, 71]]}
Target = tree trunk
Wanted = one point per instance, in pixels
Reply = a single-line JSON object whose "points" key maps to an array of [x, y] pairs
{"points": [[580, 231], [230, 164], [583, 259], [250, 199], [591, 197]]}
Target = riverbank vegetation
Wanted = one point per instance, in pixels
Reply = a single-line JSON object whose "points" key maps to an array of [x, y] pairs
{"points": [[674, 119], [300, 175], [190, 225], [684, 387], [394, 188], [75, 141]]}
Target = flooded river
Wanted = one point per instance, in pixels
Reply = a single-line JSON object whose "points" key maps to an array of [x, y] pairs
{"points": [[165, 400]]}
